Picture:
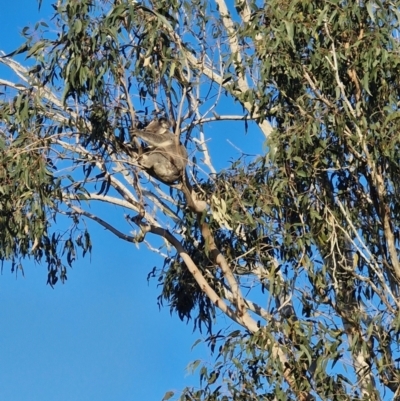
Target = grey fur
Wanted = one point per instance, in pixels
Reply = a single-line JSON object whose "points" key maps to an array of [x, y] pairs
{"points": [[163, 158]]}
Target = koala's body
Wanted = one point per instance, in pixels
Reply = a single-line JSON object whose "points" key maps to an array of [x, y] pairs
{"points": [[164, 158]]}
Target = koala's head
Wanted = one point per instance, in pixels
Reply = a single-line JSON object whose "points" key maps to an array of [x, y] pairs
{"points": [[158, 125], [164, 122]]}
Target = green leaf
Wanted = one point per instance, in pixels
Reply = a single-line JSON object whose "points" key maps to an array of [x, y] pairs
{"points": [[290, 30], [370, 6], [168, 395]]}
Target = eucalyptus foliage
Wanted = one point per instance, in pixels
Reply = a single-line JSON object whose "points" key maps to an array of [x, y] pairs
{"points": [[299, 246]]}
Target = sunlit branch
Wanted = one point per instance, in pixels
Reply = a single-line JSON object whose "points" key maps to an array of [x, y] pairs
{"points": [[245, 321], [221, 261], [21, 71], [121, 189], [376, 176], [233, 42], [103, 198], [252, 306], [370, 259], [17, 87], [221, 118], [103, 223], [335, 69], [126, 93], [210, 73], [202, 145], [244, 10], [161, 205]]}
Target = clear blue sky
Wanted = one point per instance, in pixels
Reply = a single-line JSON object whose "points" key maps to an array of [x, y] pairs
{"points": [[101, 335]]}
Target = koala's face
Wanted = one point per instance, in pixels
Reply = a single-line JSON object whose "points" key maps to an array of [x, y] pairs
{"points": [[158, 126], [164, 123]]}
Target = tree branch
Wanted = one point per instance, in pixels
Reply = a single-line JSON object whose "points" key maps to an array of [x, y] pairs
{"points": [[103, 223], [245, 321]]}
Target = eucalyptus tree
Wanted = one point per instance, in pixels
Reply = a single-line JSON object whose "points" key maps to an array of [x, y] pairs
{"points": [[298, 246]]}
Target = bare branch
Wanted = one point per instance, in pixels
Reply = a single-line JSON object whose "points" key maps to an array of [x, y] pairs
{"points": [[243, 320], [103, 223]]}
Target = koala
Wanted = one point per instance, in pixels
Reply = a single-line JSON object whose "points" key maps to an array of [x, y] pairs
{"points": [[163, 158]]}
